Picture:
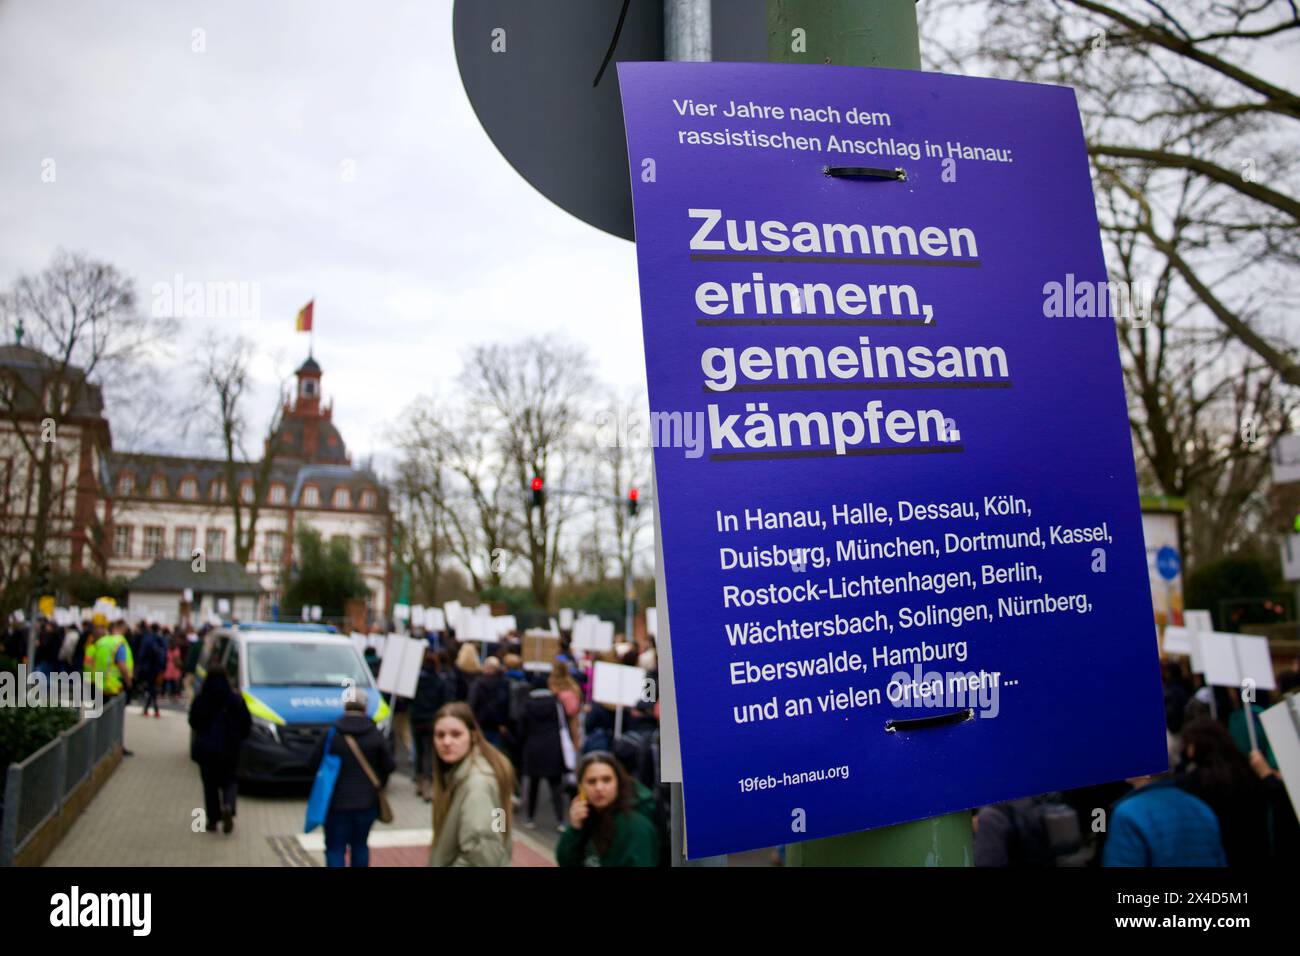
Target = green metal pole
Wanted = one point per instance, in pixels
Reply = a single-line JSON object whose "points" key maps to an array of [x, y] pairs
{"points": [[844, 32], [864, 33]]}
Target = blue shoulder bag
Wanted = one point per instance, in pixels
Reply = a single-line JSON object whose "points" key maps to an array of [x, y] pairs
{"points": [[322, 788]]}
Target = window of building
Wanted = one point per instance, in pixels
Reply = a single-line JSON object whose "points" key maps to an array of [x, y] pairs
{"points": [[217, 490], [61, 489], [368, 499], [370, 550], [273, 546], [189, 488], [126, 485], [215, 549], [311, 497], [6, 478], [153, 542], [158, 486], [55, 397], [278, 494], [246, 492], [184, 543], [342, 498], [308, 387], [122, 540]]}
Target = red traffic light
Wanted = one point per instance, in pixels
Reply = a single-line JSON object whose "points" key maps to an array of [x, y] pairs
{"points": [[537, 483], [631, 495]]}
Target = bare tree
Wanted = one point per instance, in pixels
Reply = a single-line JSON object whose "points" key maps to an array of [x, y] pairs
{"points": [[1173, 96], [621, 464], [1193, 149], [227, 378], [1204, 409], [457, 498], [77, 326], [535, 392]]}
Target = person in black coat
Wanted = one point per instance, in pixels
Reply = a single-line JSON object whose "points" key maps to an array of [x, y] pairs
{"points": [[149, 667], [543, 754], [220, 721], [1256, 822], [489, 698], [431, 692], [47, 648], [354, 806]]}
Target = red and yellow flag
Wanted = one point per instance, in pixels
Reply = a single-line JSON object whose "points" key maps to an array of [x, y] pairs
{"points": [[304, 317]]}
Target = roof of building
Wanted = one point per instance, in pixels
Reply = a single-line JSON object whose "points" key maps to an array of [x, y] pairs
{"points": [[290, 473], [308, 366], [33, 369], [176, 574], [329, 449]]}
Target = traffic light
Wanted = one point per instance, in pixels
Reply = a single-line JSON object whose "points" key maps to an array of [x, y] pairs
{"points": [[537, 492], [631, 503]]}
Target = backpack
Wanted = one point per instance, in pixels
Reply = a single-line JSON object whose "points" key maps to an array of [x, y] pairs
{"points": [[518, 691], [1043, 831], [214, 741], [155, 656]]}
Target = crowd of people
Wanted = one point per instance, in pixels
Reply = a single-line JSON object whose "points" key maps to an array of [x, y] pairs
{"points": [[148, 660], [1221, 803], [484, 734]]}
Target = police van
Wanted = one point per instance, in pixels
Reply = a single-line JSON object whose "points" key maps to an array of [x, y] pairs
{"points": [[293, 678]]}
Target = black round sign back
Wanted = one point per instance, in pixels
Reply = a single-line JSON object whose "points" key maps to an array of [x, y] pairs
{"points": [[528, 67]]}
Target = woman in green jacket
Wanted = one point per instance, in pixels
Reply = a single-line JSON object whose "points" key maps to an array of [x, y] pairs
{"points": [[610, 820], [472, 786]]}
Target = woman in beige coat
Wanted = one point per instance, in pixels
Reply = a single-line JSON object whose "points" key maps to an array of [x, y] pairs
{"points": [[472, 785]]}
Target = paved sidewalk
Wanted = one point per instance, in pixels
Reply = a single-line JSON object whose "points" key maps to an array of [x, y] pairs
{"points": [[143, 816]]}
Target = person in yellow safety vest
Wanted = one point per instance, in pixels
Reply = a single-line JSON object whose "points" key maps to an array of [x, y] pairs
{"points": [[109, 655], [98, 628]]}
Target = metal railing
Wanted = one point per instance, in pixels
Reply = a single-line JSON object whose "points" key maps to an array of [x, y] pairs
{"points": [[36, 789]]}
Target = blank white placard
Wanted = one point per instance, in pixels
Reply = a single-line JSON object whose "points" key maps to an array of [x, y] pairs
{"points": [[1219, 658], [412, 660], [583, 634], [1255, 662], [1282, 724], [1177, 640], [617, 684], [390, 663]]}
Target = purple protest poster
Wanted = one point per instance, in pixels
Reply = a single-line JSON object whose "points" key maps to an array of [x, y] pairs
{"points": [[902, 544]]}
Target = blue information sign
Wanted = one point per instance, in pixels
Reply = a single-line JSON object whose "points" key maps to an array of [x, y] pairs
{"points": [[902, 545], [1168, 563]]}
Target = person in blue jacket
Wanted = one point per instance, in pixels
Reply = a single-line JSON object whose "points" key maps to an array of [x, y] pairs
{"points": [[1160, 824]]}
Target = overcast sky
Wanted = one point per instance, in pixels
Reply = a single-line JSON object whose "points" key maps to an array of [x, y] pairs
{"points": [[228, 165]]}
